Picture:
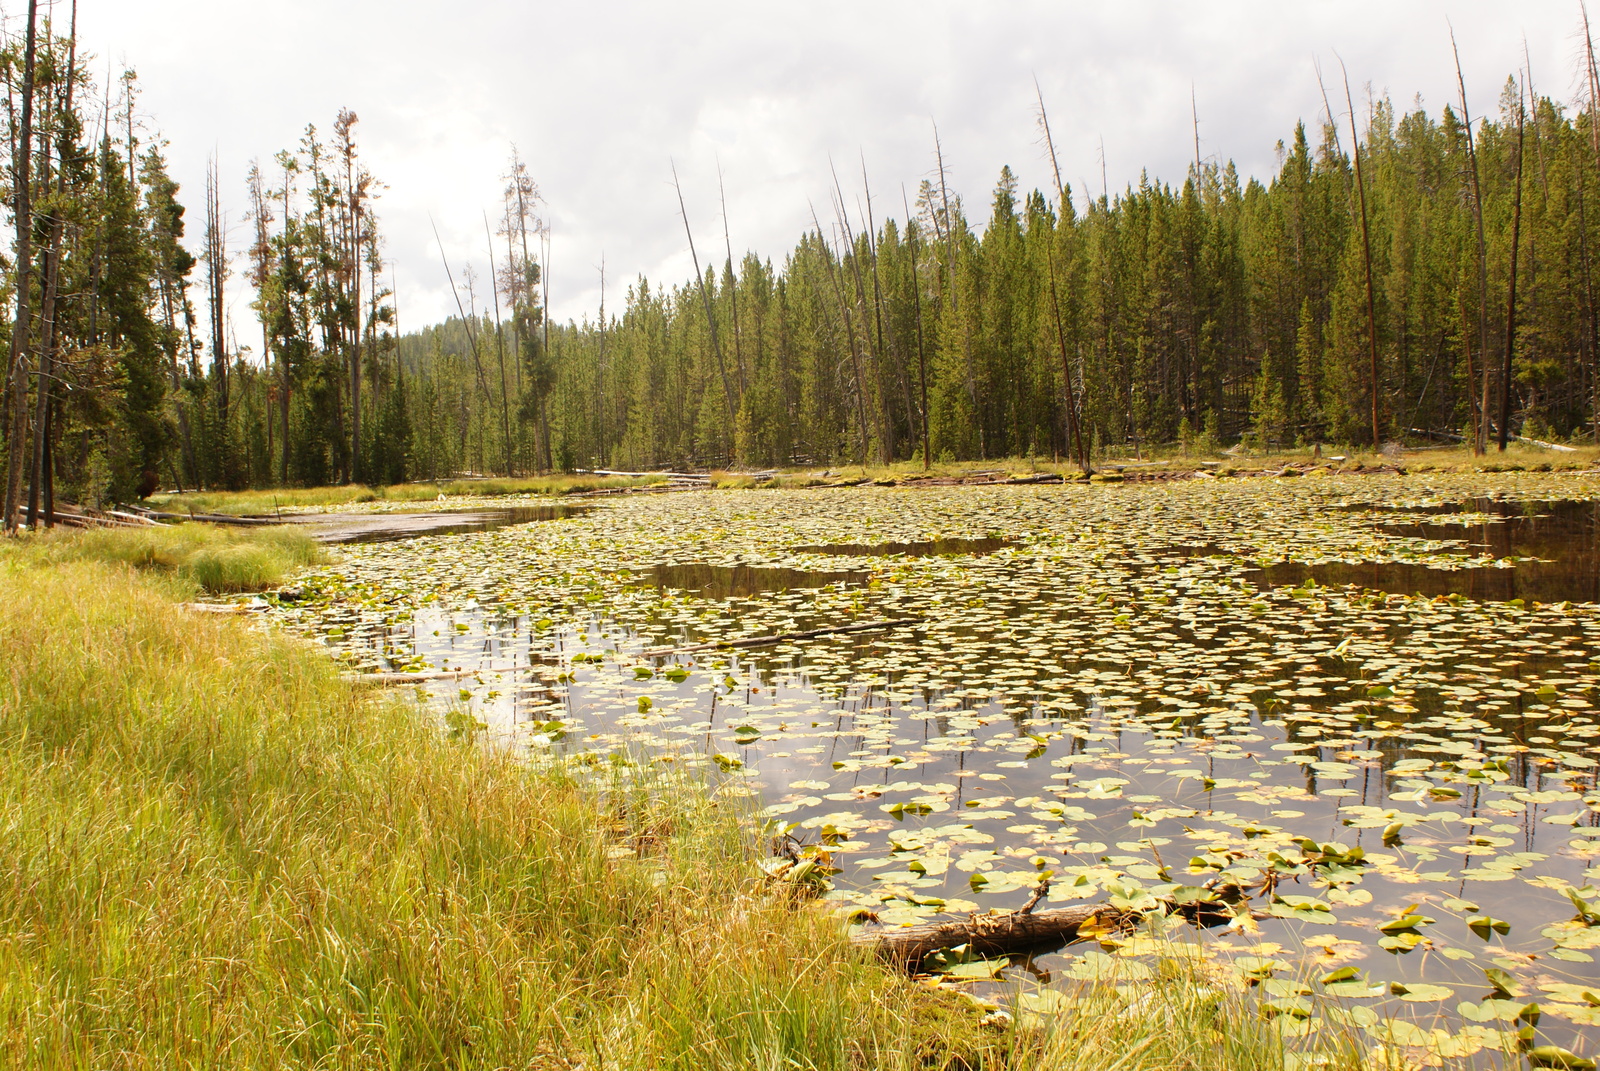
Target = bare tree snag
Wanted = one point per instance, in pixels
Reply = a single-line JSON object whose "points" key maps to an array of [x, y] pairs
{"points": [[1511, 292], [22, 171]]}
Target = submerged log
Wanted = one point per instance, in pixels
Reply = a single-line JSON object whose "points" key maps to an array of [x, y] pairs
{"points": [[784, 637], [987, 934], [381, 680], [388, 678]]}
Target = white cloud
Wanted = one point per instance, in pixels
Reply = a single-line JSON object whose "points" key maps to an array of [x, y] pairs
{"points": [[599, 98]]}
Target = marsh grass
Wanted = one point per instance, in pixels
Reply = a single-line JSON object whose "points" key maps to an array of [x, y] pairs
{"points": [[1185, 1017], [215, 853], [1171, 458], [197, 556], [200, 557]]}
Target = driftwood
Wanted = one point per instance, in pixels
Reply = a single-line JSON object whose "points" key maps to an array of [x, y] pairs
{"points": [[1017, 931], [379, 680], [67, 515], [633, 475], [133, 518], [225, 518], [764, 641], [143, 513], [384, 679], [1453, 437]]}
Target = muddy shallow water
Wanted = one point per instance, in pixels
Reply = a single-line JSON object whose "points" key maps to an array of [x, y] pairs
{"points": [[390, 526], [1139, 693]]}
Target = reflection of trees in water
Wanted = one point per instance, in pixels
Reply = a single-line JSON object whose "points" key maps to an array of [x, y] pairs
{"points": [[1564, 535]]}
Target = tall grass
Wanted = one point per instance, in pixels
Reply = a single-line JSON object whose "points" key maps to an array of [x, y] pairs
{"points": [[212, 559], [215, 854]]}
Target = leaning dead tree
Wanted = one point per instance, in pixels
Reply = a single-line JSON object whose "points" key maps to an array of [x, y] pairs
{"points": [[1366, 254], [1071, 401], [1480, 437], [711, 320]]}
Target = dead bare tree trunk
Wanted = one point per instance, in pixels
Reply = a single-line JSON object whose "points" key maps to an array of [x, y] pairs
{"points": [[355, 184], [966, 335], [1055, 299], [600, 367], [885, 337], [916, 292], [850, 332], [1511, 291], [47, 314], [733, 289], [549, 355], [260, 274], [216, 255], [1366, 253], [1480, 438], [1592, 70], [500, 348], [711, 320], [22, 177], [872, 358], [468, 325]]}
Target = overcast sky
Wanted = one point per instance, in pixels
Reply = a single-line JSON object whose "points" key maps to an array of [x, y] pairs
{"points": [[601, 97]]}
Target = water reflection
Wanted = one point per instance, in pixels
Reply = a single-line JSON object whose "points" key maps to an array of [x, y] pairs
{"points": [[929, 548], [737, 581], [1563, 536], [389, 527]]}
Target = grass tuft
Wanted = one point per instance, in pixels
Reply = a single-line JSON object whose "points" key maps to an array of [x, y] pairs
{"points": [[203, 556]]}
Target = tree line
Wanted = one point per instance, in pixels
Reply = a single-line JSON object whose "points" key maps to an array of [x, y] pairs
{"points": [[1432, 279], [1401, 274]]}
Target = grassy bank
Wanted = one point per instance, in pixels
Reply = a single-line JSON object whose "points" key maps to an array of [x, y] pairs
{"points": [[265, 502], [199, 557], [214, 853], [1518, 457]]}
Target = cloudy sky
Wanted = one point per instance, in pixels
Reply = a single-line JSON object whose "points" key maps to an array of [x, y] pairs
{"points": [[601, 97]]}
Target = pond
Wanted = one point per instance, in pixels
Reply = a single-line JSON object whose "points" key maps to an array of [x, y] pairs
{"points": [[1555, 547], [1145, 690], [387, 526]]}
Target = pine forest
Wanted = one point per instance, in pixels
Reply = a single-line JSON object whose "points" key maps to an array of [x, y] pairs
{"points": [[1406, 274]]}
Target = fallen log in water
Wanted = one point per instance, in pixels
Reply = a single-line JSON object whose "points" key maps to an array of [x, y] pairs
{"points": [[382, 680], [385, 679], [986, 934], [132, 518], [785, 637]]}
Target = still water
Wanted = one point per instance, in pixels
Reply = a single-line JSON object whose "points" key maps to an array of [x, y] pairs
{"points": [[1384, 744]]}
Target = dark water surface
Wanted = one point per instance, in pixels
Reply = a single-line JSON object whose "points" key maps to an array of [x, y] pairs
{"points": [[389, 527], [1551, 552], [922, 549], [724, 581]]}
